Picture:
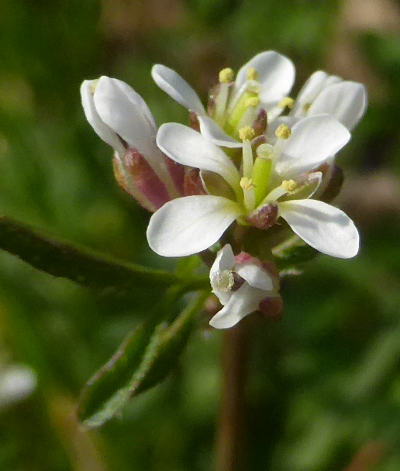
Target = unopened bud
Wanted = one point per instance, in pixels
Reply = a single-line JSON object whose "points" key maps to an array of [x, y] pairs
{"points": [[265, 217], [136, 177], [271, 307], [193, 121], [192, 183]]}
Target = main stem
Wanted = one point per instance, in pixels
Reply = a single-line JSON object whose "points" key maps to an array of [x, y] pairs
{"points": [[232, 411]]}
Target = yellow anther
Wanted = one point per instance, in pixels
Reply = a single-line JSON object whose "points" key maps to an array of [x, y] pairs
{"points": [[252, 102], [265, 151], [286, 102], [283, 131], [246, 133], [226, 75], [246, 183], [306, 106], [289, 185], [252, 73]]}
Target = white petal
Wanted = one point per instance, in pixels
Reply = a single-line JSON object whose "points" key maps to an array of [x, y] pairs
{"points": [[188, 225], [311, 89], [177, 88], [137, 100], [346, 101], [276, 75], [255, 276], [101, 129], [211, 131], [119, 107], [244, 301], [225, 260], [314, 139], [124, 111], [188, 147], [322, 226]]}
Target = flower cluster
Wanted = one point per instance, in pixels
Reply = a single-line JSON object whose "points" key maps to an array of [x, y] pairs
{"points": [[255, 160]]}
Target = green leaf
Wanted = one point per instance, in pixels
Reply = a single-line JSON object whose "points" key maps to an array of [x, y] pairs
{"points": [[292, 252], [85, 267], [144, 359]]}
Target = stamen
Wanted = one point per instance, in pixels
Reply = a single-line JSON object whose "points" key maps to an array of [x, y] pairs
{"points": [[246, 183], [283, 132], [226, 75], [252, 102], [252, 73], [247, 159], [289, 185], [286, 102], [224, 280], [306, 106], [246, 133], [248, 193]]}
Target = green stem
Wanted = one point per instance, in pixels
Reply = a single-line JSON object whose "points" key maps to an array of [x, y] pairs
{"points": [[232, 410]]}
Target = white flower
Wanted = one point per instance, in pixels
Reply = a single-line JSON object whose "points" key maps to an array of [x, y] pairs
{"points": [[16, 383], [243, 285], [260, 95], [323, 93], [260, 84], [277, 183], [122, 119]]}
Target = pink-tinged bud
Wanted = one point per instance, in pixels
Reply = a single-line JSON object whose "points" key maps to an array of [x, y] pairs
{"points": [[177, 172], [264, 217], [192, 184], [260, 123], [193, 121], [271, 307], [136, 177]]}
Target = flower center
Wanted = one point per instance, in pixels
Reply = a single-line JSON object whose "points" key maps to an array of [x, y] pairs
{"points": [[234, 108], [224, 280]]}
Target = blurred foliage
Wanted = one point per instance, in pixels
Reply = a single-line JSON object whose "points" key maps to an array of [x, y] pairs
{"points": [[325, 381]]}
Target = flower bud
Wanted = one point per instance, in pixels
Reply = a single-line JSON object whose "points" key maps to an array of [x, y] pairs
{"points": [[137, 178], [264, 217], [122, 119], [193, 184]]}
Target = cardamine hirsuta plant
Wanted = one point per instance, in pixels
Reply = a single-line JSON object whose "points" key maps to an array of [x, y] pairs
{"points": [[245, 188], [247, 183]]}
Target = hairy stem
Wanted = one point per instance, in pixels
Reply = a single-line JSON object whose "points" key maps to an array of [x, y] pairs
{"points": [[232, 410]]}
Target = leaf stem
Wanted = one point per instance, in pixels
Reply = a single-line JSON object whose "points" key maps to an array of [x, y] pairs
{"points": [[85, 267]]}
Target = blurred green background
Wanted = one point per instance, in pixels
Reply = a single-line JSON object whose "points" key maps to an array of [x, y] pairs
{"points": [[323, 389]]}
